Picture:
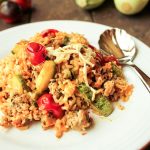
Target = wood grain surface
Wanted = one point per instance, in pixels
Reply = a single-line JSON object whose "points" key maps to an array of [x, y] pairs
{"points": [[137, 25]]}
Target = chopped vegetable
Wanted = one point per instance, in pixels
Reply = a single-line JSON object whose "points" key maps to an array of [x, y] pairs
{"points": [[47, 32], [105, 59], [103, 106], [65, 41], [99, 58], [12, 52], [85, 90], [36, 52], [19, 48], [116, 70], [45, 75], [67, 74], [18, 84], [47, 103], [110, 58]]}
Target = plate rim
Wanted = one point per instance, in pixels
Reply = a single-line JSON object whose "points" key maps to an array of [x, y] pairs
{"points": [[71, 21]]}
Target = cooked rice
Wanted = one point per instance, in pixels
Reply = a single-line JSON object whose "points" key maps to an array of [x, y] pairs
{"points": [[20, 110]]}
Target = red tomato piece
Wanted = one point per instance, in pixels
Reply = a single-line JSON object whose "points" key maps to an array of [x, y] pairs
{"points": [[110, 59], [47, 32], [99, 57], [36, 52], [47, 103]]}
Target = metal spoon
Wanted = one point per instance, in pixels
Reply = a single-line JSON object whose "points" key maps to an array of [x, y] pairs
{"points": [[119, 43]]}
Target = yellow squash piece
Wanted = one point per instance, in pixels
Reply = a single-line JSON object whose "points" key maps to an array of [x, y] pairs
{"points": [[19, 48], [45, 75], [18, 84]]}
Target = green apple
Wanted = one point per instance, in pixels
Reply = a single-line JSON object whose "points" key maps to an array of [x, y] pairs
{"points": [[89, 4], [130, 7]]}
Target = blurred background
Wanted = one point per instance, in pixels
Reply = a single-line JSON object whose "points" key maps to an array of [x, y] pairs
{"points": [[137, 25], [108, 12]]}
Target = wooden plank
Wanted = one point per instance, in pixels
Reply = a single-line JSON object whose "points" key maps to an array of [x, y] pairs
{"points": [[137, 25], [58, 10]]}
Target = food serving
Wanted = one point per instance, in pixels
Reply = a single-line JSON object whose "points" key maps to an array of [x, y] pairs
{"points": [[58, 79]]}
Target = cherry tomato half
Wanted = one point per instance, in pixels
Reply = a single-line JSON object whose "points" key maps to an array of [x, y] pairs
{"points": [[46, 102], [99, 57], [47, 32], [110, 58], [36, 52]]}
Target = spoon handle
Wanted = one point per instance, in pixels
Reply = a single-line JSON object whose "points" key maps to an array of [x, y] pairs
{"points": [[139, 73]]}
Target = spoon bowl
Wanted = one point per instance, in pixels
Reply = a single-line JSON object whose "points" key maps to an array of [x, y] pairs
{"points": [[119, 43]]}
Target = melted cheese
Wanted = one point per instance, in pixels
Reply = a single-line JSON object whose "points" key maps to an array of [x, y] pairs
{"points": [[64, 54]]}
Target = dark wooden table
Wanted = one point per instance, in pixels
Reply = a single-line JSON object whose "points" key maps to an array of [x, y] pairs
{"points": [[137, 25]]}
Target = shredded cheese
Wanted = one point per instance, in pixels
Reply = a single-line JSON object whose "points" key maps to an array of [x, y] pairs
{"points": [[64, 54]]}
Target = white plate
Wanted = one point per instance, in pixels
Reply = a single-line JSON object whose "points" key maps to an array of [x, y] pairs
{"points": [[128, 130]]}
